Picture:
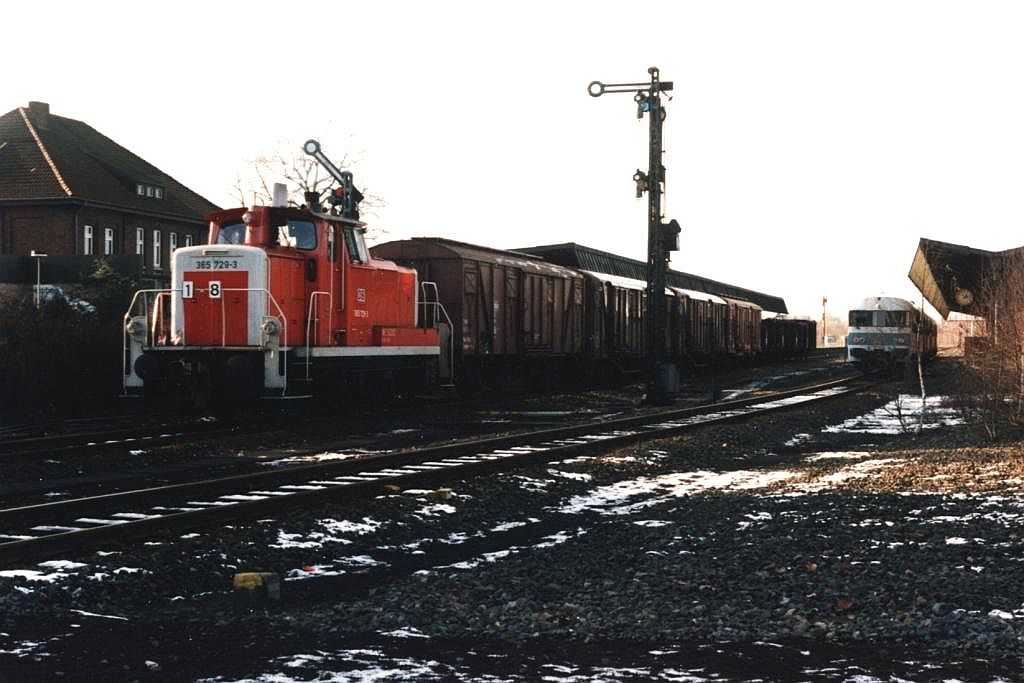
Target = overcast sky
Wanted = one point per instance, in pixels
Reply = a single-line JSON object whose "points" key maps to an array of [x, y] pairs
{"points": [[808, 145]]}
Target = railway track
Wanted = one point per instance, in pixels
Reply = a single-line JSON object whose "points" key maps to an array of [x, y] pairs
{"points": [[36, 532], [95, 435]]}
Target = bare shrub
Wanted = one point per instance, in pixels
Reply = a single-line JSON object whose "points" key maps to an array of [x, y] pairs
{"points": [[991, 382], [57, 360]]}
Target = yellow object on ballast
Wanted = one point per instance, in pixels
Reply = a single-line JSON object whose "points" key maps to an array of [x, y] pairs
{"points": [[249, 580]]}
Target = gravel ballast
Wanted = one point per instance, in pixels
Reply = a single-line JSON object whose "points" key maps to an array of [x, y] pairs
{"points": [[779, 549]]}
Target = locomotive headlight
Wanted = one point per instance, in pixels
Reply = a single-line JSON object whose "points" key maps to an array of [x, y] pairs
{"points": [[247, 217], [135, 327], [271, 327]]}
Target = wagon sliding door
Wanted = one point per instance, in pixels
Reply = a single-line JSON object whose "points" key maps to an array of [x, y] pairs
{"points": [[491, 304], [538, 312], [552, 314]]}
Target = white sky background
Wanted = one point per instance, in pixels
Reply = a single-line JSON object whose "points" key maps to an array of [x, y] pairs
{"points": [[808, 145]]}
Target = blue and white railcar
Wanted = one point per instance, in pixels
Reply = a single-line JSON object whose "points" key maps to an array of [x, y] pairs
{"points": [[887, 332]]}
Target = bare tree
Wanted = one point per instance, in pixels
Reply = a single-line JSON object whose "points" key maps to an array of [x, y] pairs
{"points": [[992, 382], [288, 163], [919, 356]]}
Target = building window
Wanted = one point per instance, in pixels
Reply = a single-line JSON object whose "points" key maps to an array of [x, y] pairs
{"points": [[173, 241], [156, 249], [151, 191], [188, 240], [87, 246], [108, 241], [140, 241]]}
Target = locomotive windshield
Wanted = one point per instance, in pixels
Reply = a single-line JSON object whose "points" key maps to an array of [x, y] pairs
{"points": [[231, 233], [298, 234], [357, 252]]}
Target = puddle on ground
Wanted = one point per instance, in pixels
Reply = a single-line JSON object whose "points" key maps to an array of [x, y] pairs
{"points": [[903, 414]]}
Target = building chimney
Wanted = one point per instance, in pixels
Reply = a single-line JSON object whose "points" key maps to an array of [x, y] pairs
{"points": [[40, 113]]}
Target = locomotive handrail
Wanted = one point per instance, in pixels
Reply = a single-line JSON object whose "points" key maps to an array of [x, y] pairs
{"points": [[309, 323], [125, 348], [280, 313], [223, 318], [157, 315], [438, 306], [143, 292]]}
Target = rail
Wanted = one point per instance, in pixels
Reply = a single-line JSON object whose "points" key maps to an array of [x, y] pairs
{"points": [[43, 530]]}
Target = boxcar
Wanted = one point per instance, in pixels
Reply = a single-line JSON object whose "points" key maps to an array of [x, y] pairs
{"points": [[616, 325], [698, 324], [743, 340], [515, 318], [785, 338]]}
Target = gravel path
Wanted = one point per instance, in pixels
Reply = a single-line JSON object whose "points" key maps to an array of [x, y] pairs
{"points": [[793, 548]]}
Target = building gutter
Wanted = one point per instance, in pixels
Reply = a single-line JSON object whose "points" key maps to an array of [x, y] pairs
{"points": [[81, 203]]}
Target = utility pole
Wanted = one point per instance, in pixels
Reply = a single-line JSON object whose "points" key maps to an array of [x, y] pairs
{"points": [[662, 238], [824, 322], [38, 256]]}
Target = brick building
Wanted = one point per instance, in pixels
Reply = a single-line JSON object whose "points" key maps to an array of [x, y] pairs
{"points": [[74, 194]]}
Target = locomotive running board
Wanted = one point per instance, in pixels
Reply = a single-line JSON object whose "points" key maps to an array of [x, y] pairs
{"points": [[367, 351]]}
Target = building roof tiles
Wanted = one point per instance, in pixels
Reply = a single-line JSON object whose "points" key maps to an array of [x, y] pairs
{"points": [[47, 157]]}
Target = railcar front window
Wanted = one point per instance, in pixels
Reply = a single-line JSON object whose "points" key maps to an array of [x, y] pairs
{"points": [[895, 318], [861, 318]]}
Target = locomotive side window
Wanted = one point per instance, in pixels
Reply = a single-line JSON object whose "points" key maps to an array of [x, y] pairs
{"points": [[357, 252], [298, 234], [231, 233]]}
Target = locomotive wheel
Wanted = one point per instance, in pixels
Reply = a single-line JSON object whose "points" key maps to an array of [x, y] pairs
{"points": [[381, 391]]}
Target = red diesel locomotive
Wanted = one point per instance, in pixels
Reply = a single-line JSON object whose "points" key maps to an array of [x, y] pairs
{"points": [[283, 302]]}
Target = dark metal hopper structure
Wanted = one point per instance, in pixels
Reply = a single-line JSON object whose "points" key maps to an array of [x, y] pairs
{"points": [[574, 255], [955, 278]]}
